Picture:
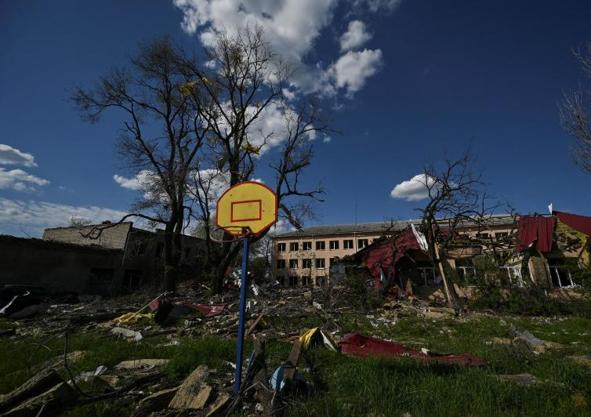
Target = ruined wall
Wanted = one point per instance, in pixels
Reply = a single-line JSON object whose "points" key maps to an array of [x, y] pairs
{"points": [[58, 267], [114, 237]]}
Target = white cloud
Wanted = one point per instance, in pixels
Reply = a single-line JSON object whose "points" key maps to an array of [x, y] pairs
{"points": [[19, 180], [282, 226], [13, 156], [214, 184], [352, 70], [377, 5], [141, 181], [18, 216], [414, 189], [291, 27], [355, 36]]}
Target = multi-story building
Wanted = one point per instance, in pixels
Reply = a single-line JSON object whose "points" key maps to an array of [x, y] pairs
{"points": [[304, 257]]}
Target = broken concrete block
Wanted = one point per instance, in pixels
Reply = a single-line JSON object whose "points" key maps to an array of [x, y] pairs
{"points": [[501, 340], [584, 360], [193, 393], [218, 405], [533, 343], [142, 364], [128, 333], [155, 402], [520, 379]]}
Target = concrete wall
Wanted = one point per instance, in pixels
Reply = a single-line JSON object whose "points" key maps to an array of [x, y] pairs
{"points": [[114, 237], [58, 267]]}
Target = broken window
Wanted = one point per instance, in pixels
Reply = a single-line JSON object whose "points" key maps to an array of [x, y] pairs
{"points": [[320, 281], [427, 274], [334, 244], [320, 245], [561, 277], [306, 281], [348, 244], [465, 270], [513, 274], [281, 247], [293, 280], [280, 263], [361, 243], [293, 264], [293, 246], [307, 263], [320, 263], [307, 246]]}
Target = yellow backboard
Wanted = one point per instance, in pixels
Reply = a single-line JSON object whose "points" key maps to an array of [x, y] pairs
{"points": [[249, 205]]}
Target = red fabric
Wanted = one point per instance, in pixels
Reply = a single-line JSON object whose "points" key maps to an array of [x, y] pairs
{"points": [[537, 229], [383, 256], [364, 346], [154, 305], [379, 258], [579, 223], [209, 310]]}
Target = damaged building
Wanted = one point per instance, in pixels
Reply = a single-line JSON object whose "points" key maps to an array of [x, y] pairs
{"points": [[521, 251], [119, 259]]}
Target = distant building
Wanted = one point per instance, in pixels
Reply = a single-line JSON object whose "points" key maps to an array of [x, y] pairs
{"points": [[119, 259], [304, 257]]}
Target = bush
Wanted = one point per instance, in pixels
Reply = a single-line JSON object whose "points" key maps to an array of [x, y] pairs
{"points": [[528, 302], [359, 291]]}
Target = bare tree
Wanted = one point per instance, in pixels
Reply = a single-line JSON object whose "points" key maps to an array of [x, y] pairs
{"points": [[574, 115], [194, 127], [161, 134], [239, 95], [454, 197]]}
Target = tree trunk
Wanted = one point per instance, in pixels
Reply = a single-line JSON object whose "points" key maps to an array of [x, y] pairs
{"points": [[170, 258], [448, 294]]}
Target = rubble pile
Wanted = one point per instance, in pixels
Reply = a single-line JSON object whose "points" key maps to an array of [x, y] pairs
{"points": [[268, 385]]}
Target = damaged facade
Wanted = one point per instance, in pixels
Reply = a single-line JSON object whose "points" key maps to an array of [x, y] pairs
{"points": [[516, 250], [119, 259]]}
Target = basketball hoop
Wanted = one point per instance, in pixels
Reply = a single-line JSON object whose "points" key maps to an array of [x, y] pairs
{"points": [[244, 210]]}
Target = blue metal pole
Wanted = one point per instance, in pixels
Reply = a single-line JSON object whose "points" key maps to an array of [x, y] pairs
{"points": [[240, 341]]}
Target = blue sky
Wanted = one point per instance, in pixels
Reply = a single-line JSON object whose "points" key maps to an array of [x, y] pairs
{"points": [[416, 81]]}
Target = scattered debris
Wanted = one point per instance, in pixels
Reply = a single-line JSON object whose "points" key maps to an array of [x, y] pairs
{"points": [[194, 392], [142, 364], [30, 389], [584, 360], [524, 379], [315, 337], [155, 402], [128, 333], [533, 343], [363, 346]]}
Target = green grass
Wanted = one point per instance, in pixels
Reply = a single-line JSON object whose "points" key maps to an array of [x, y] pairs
{"points": [[346, 386], [380, 387]]}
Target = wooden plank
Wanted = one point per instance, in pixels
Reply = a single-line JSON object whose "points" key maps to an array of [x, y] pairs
{"points": [[33, 387]]}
